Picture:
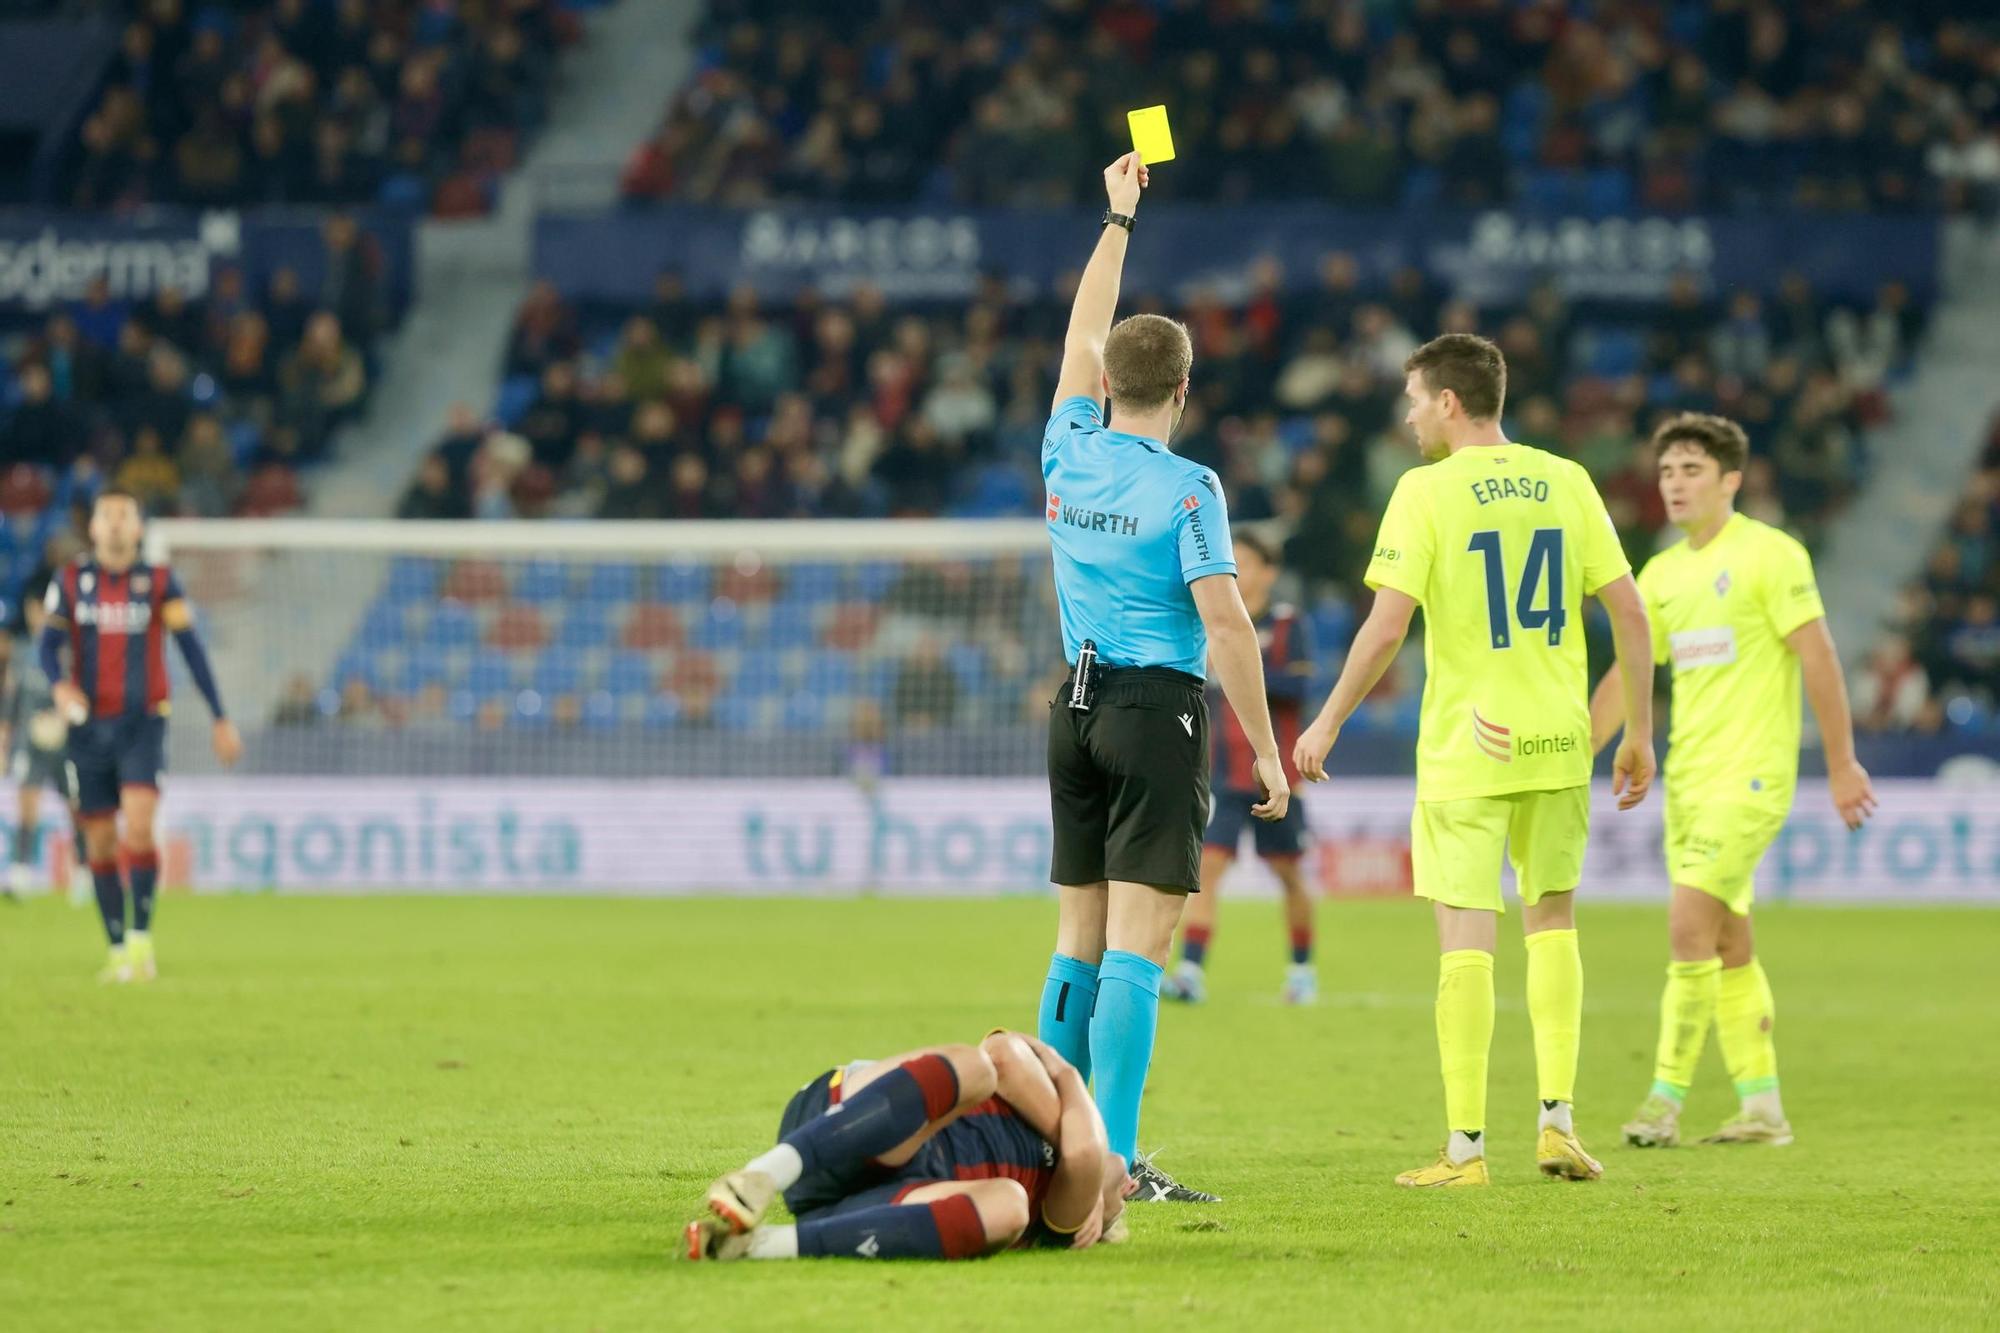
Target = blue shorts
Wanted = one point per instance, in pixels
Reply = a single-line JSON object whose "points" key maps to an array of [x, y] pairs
{"points": [[1275, 839], [111, 754]]}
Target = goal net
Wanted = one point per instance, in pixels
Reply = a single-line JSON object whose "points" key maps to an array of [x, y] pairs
{"points": [[618, 706]]}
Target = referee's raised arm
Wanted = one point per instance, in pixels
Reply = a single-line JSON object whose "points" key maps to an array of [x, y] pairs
{"points": [[1145, 579], [1082, 374]]}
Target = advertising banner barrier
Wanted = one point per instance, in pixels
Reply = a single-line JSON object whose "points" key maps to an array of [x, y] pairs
{"points": [[934, 838], [941, 254], [50, 259]]}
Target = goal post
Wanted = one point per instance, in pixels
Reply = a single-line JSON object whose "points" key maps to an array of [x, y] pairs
{"points": [[469, 705]]}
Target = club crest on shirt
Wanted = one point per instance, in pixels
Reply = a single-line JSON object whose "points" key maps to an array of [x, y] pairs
{"points": [[1722, 584], [86, 583], [142, 585]]}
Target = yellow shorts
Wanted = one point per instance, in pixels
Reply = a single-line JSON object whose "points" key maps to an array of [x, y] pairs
{"points": [[1456, 846], [1715, 844]]}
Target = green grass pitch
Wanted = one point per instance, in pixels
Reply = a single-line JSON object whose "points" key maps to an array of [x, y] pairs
{"points": [[460, 1113]]}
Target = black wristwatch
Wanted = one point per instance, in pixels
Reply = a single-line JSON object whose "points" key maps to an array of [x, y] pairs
{"points": [[1125, 220]]}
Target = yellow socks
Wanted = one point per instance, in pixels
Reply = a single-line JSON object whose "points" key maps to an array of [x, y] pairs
{"points": [[1744, 1015], [1465, 1034], [1555, 1008], [1687, 1007]]}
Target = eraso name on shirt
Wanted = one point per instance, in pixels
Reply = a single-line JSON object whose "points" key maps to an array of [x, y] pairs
{"points": [[1488, 489]]}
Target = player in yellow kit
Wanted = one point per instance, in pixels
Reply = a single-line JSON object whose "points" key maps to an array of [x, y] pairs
{"points": [[1736, 610], [1499, 543]]}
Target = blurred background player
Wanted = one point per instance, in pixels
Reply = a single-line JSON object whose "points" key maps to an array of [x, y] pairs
{"points": [[35, 738], [1286, 638], [1499, 543], [114, 612], [946, 1153], [1736, 609]]}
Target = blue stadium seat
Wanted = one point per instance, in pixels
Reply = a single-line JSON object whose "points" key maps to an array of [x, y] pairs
{"points": [[404, 192], [586, 627], [1521, 123], [517, 394], [813, 582], [968, 662], [828, 672], [1545, 190], [353, 666], [611, 583], [542, 581], [491, 674], [873, 578], [1423, 187], [804, 712], [721, 628], [758, 674], [558, 672], [662, 710], [790, 628], [681, 583], [603, 710], [383, 627], [738, 712], [452, 625], [994, 490], [875, 680], [1609, 352], [422, 667], [1608, 192], [631, 673], [1332, 626], [412, 579]]}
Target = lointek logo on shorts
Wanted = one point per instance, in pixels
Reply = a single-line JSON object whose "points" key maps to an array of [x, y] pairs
{"points": [[1694, 648]]}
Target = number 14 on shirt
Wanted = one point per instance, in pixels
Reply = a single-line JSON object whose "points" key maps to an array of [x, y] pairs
{"points": [[1544, 568]]}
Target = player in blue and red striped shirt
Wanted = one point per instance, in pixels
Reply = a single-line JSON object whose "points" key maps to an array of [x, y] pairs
{"points": [[949, 1152], [1286, 637], [113, 612]]}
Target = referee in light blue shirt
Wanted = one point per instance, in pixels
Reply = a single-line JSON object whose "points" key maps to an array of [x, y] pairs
{"points": [[1147, 584]]}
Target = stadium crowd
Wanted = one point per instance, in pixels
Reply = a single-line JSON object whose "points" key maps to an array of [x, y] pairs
{"points": [[1850, 105], [1938, 664], [297, 102], [856, 407], [202, 406]]}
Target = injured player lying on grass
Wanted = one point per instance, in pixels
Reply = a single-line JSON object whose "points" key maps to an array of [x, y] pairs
{"points": [[950, 1152]]}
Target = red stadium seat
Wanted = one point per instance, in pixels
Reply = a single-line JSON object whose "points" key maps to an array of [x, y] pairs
{"points": [[651, 627], [851, 627], [476, 581], [518, 629]]}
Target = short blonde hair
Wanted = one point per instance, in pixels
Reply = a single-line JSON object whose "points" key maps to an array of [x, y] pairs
{"points": [[1145, 359]]}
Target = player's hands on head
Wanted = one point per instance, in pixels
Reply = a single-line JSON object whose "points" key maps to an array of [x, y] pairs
{"points": [[1852, 792], [1277, 788], [1309, 755], [228, 742], [1123, 180], [1632, 772], [1092, 1229]]}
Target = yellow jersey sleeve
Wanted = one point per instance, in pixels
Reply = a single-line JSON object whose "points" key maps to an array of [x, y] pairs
{"points": [[1650, 580], [1603, 557], [1406, 544], [1789, 592]]}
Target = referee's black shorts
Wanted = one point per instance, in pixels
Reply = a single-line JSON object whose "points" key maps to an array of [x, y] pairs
{"points": [[1128, 780]]}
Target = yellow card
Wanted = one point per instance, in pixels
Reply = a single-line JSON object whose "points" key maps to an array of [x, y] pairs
{"points": [[1150, 135]]}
